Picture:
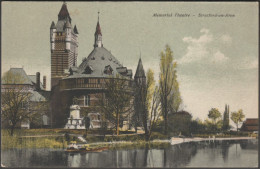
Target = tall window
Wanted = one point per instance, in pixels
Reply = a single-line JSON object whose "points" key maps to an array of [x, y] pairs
{"points": [[87, 100]]}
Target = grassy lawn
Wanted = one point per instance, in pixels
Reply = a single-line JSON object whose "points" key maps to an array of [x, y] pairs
{"points": [[53, 138]]}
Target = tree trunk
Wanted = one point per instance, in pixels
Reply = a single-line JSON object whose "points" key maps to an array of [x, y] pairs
{"points": [[117, 126], [12, 130], [165, 120], [165, 116]]}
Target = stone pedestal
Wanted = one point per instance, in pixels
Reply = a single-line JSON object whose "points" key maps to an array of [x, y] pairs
{"points": [[75, 121]]}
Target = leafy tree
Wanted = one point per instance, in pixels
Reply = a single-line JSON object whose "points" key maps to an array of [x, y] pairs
{"points": [[169, 90], [16, 104], [214, 115], [197, 126], [116, 104], [180, 122], [237, 117]]}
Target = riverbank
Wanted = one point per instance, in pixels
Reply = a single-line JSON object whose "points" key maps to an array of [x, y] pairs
{"points": [[56, 138], [175, 140]]}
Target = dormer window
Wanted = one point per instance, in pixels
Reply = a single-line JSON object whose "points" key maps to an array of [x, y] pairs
{"points": [[88, 70], [108, 70], [103, 58]]}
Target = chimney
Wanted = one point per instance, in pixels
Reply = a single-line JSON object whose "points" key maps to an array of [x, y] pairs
{"points": [[38, 81], [44, 82]]}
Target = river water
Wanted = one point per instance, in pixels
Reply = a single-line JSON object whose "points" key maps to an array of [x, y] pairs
{"points": [[238, 153]]}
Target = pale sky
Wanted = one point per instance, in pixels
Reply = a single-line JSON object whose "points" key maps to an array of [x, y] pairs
{"points": [[217, 56]]}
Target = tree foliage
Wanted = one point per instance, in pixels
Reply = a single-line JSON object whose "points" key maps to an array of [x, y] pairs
{"points": [[180, 122], [147, 103], [117, 102], [225, 126], [169, 88], [214, 114], [237, 117], [16, 104]]}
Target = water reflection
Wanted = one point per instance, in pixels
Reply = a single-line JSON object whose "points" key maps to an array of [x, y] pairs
{"points": [[211, 154]]}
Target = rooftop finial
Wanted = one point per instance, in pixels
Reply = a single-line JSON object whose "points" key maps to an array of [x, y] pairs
{"points": [[98, 16], [64, 2]]}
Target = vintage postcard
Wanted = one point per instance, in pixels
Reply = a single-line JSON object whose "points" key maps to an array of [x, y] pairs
{"points": [[129, 84]]}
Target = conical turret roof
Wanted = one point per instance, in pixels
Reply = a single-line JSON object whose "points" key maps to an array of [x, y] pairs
{"points": [[75, 30], [63, 12], [68, 25], [98, 29], [53, 25], [140, 70]]}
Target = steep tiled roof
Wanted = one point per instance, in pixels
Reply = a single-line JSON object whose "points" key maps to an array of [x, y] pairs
{"points": [[23, 78], [40, 96], [98, 60]]}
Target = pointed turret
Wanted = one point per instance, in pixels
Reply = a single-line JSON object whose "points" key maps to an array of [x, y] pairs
{"points": [[98, 29], [140, 77], [98, 35], [64, 13], [75, 30], [67, 25], [140, 70], [53, 25]]}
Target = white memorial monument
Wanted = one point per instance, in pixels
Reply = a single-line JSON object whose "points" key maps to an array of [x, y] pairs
{"points": [[75, 121]]}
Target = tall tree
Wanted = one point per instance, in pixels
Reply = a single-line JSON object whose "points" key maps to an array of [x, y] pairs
{"points": [[237, 117], [226, 118], [16, 104], [169, 90], [117, 102], [148, 103]]}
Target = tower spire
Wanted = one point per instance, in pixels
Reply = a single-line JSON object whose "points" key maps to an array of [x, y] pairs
{"points": [[98, 35], [98, 16]]}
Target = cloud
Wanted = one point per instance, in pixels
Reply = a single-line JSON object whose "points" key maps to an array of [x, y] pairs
{"points": [[226, 39], [219, 57], [201, 48], [249, 64], [197, 48]]}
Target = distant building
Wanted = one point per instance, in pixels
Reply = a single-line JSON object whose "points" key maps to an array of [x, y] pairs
{"points": [[38, 96], [250, 125], [85, 82]]}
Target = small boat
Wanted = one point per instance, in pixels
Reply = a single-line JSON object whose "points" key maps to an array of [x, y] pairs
{"points": [[73, 147]]}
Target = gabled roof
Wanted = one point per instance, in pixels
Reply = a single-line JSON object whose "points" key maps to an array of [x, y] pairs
{"points": [[140, 70]]}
